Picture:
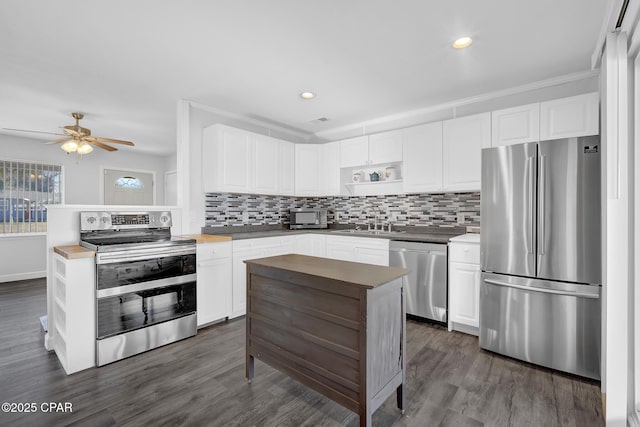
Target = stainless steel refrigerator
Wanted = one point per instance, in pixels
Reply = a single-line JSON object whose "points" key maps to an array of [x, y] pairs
{"points": [[540, 250]]}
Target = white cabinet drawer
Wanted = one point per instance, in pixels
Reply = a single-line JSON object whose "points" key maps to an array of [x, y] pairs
{"points": [[206, 251], [464, 252]]}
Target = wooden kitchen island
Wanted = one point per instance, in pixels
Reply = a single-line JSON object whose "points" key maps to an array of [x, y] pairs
{"points": [[335, 326]]}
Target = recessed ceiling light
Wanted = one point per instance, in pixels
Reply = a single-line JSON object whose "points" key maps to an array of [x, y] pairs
{"points": [[307, 95], [462, 42]]}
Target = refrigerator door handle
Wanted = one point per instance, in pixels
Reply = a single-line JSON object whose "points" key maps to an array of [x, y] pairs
{"points": [[594, 295], [541, 201], [529, 236]]}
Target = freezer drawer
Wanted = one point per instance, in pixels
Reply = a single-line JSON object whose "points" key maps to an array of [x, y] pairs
{"points": [[548, 323]]}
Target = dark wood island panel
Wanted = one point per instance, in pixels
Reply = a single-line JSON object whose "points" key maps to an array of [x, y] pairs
{"points": [[335, 326]]}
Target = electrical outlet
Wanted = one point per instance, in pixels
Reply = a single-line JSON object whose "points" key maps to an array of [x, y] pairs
{"points": [[245, 216], [460, 217]]}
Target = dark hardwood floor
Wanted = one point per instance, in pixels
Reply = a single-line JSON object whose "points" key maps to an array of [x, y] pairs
{"points": [[200, 381]]}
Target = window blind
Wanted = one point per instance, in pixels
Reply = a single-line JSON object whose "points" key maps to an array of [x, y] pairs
{"points": [[25, 190]]}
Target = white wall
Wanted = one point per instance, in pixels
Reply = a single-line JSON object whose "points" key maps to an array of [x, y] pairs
{"points": [[82, 177], [23, 257]]}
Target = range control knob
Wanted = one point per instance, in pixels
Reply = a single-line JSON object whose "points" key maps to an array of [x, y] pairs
{"points": [[91, 219], [164, 219]]}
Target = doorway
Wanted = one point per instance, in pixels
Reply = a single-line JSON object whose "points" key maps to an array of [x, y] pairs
{"points": [[128, 187]]}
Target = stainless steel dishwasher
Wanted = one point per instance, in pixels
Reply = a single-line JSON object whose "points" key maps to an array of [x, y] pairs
{"points": [[426, 294]]}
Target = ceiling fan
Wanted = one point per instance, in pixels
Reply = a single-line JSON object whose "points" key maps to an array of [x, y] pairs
{"points": [[77, 139]]}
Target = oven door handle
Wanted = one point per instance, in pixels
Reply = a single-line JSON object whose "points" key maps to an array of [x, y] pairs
{"points": [[142, 254], [145, 286]]}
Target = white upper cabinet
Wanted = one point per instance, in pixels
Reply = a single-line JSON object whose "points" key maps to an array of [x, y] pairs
{"points": [[309, 169], [264, 179], [286, 170], [385, 147], [463, 140], [354, 151], [330, 182], [317, 169], [423, 158], [570, 117], [226, 159], [515, 125], [239, 161]]}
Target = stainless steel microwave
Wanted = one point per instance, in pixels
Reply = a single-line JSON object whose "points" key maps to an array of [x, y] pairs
{"points": [[308, 218]]}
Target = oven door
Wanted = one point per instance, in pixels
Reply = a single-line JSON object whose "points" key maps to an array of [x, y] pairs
{"points": [[137, 309], [158, 267]]}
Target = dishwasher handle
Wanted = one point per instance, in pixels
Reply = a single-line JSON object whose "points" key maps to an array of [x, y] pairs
{"points": [[420, 251]]}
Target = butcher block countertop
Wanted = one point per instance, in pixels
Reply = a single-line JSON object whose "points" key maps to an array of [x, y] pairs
{"points": [[364, 275], [208, 238], [74, 252]]}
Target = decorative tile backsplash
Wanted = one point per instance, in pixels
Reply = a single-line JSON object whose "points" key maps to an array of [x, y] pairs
{"points": [[434, 209]]}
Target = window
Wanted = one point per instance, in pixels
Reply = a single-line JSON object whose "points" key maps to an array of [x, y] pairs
{"points": [[129, 182], [25, 190]]}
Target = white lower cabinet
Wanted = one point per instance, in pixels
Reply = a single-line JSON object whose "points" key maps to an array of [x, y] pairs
{"points": [[72, 322], [214, 280], [310, 244], [252, 249], [342, 248], [358, 249], [464, 286], [370, 255]]}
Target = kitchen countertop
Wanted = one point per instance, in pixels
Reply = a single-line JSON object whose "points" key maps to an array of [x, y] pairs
{"points": [[208, 238], [363, 275], [411, 234], [74, 252], [467, 238]]}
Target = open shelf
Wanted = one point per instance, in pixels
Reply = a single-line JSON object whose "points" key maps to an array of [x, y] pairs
{"points": [[391, 181]]}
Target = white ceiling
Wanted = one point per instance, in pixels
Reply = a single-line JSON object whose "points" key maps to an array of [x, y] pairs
{"points": [[126, 63]]}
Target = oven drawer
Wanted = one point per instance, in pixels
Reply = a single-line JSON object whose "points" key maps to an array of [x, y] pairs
{"points": [[128, 312], [124, 345]]}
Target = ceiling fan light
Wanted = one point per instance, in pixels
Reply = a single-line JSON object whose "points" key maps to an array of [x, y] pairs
{"points": [[84, 148], [71, 146], [462, 42]]}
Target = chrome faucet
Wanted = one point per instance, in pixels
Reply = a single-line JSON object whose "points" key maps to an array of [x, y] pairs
{"points": [[376, 218]]}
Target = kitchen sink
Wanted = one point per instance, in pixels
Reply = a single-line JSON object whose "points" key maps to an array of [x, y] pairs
{"points": [[368, 232]]}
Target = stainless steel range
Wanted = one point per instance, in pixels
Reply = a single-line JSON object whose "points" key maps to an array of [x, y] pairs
{"points": [[145, 282]]}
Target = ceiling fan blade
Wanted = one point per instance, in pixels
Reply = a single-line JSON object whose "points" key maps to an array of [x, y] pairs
{"points": [[101, 145], [57, 141], [115, 141], [32, 131]]}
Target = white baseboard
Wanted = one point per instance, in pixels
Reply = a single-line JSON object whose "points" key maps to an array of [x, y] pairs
{"points": [[22, 276], [471, 330]]}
